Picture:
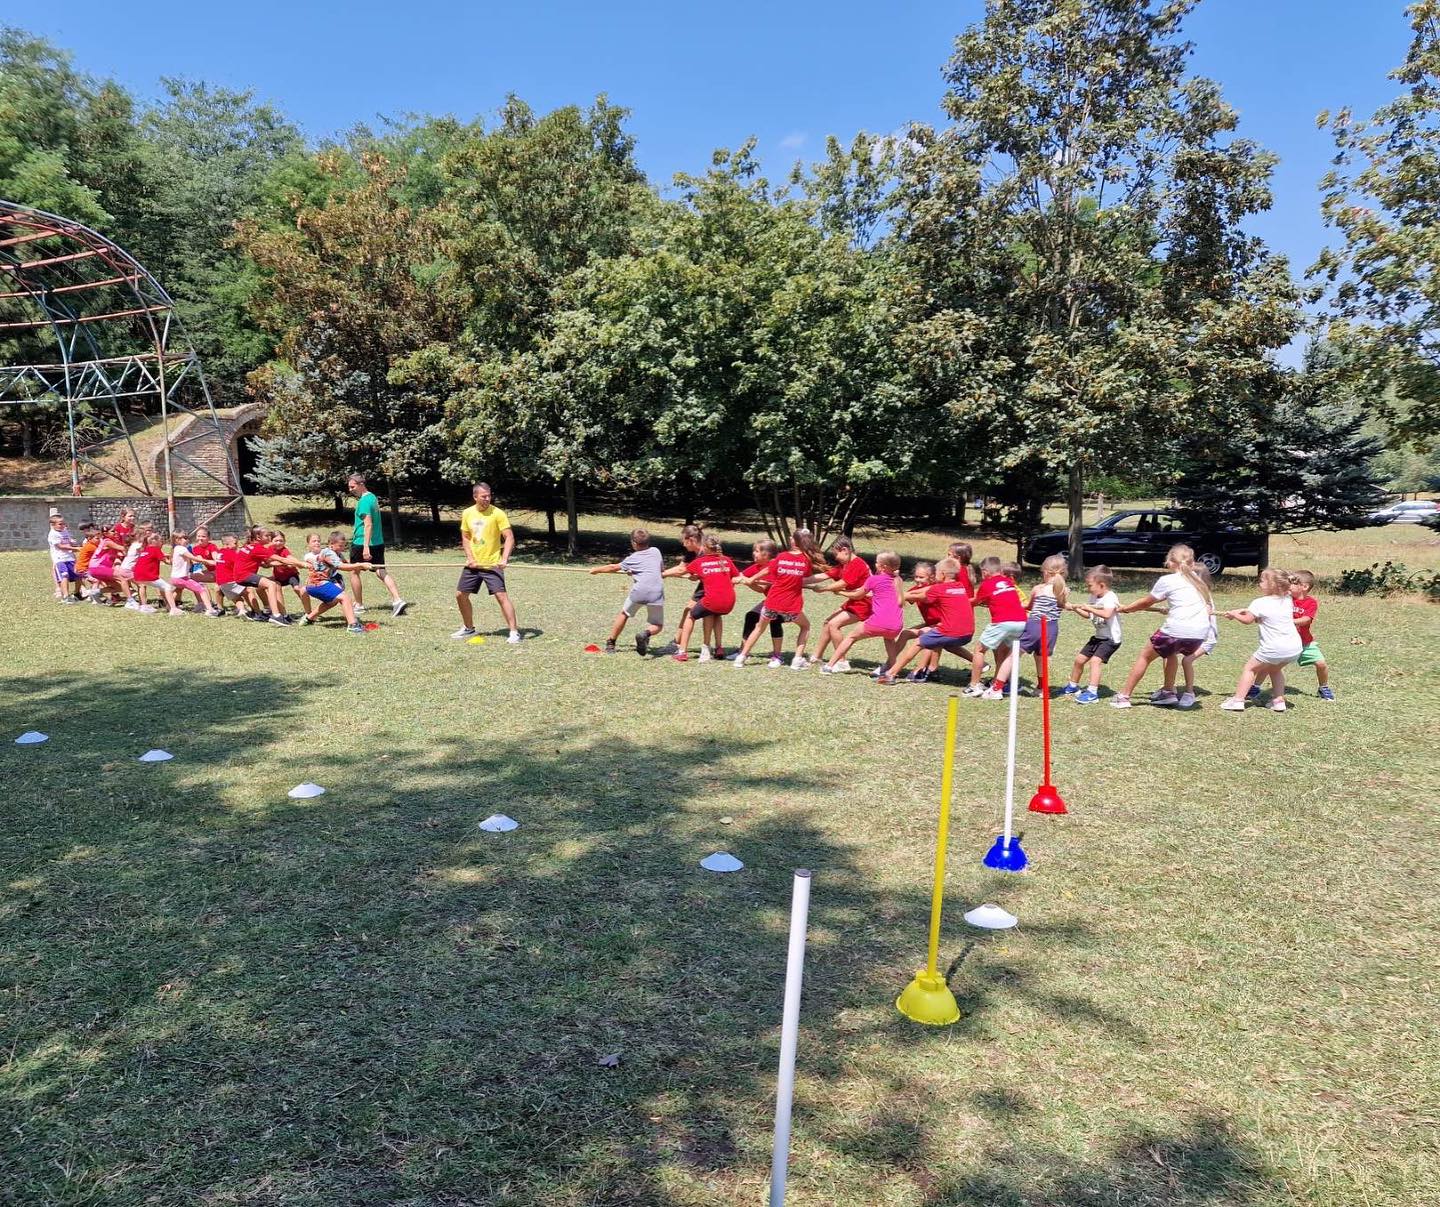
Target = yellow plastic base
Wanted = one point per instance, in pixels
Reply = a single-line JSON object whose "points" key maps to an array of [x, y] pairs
{"points": [[927, 999]]}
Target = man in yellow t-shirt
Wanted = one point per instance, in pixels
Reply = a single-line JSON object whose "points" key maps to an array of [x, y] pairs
{"points": [[488, 541]]}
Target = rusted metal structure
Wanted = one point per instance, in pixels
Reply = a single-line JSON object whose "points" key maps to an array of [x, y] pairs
{"points": [[82, 322]]}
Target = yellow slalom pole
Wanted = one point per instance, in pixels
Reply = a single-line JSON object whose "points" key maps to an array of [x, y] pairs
{"points": [[927, 999]]}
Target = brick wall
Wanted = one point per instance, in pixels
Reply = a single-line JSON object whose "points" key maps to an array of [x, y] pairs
{"points": [[199, 454], [25, 519]]}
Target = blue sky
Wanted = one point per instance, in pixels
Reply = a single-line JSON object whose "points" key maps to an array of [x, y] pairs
{"points": [[700, 76]]}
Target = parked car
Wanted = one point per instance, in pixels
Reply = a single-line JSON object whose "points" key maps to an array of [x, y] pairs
{"points": [[1417, 511], [1142, 538]]}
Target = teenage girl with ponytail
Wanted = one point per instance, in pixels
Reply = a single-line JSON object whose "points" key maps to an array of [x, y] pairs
{"points": [[1186, 595]]}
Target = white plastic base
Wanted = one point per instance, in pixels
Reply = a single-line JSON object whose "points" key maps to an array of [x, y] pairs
{"points": [[991, 917]]}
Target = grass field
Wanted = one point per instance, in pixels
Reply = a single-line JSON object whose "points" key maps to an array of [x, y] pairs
{"points": [[1223, 990]]}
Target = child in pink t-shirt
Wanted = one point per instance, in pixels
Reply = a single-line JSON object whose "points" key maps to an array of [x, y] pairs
{"points": [[887, 614]]}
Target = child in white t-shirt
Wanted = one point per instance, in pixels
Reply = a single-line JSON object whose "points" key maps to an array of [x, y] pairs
{"points": [[62, 561], [1185, 628], [1103, 611], [1280, 642]]}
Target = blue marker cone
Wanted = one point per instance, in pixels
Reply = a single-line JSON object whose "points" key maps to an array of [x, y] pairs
{"points": [[1006, 855]]}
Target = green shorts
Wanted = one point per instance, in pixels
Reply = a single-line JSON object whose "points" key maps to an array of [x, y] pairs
{"points": [[1310, 655]]}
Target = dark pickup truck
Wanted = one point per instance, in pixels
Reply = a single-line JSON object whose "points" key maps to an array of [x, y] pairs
{"points": [[1142, 538]]}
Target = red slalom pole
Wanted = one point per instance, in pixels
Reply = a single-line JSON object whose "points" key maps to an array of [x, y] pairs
{"points": [[1046, 799]]}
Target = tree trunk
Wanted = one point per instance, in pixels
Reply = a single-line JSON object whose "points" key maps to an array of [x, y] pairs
{"points": [[572, 519], [1077, 522], [394, 493], [27, 438], [435, 512], [1264, 563], [959, 510], [550, 518], [339, 504]]}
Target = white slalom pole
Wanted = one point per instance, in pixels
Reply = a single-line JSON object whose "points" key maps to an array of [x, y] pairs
{"points": [[789, 1034], [1010, 753]]}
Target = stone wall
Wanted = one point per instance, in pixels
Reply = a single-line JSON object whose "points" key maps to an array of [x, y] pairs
{"points": [[25, 519]]}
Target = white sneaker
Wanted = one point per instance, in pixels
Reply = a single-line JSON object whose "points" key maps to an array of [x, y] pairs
{"points": [[704, 653], [974, 691], [799, 663], [775, 663], [1124, 702], [840, 668], [1278, 706], [147, 608], [359, 608], [459, 634], [133, 605], [398, 607], [514, 638], [1233, 705], [739, 661], [992, 693]]}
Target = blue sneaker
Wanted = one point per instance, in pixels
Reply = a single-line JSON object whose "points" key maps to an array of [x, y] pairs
{"points": [[1086, 696], [1327, 693], [1254, 692], [1071, 689]]}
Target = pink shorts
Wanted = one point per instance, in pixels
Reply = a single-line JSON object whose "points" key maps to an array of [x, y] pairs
{"points": [[869, 630], [188, 584]]}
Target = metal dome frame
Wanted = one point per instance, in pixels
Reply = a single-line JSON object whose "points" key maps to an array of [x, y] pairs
{"points": [[118, 337]]}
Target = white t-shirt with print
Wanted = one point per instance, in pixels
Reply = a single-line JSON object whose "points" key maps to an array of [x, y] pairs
{"points": [[1279, 638], [1189, 615], [57, 555], [1107, 628]]}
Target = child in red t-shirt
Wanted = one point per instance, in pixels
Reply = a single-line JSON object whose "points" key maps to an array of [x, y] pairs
{"points": [[761, 553], [946, 605], [962, 553], [203, 552], [787, 575], [227, 582], [147, 572], [283, 570], [716, 575], [847, 574], [999, 593]]}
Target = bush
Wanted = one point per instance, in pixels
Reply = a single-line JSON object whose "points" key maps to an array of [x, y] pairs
{"points": [[1391, 578]]}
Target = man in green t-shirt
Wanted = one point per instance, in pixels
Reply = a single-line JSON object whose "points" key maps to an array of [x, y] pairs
{"points": [[368, 545]]}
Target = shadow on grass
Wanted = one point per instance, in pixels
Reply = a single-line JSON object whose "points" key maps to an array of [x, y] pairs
{"points": [[215, 991]]}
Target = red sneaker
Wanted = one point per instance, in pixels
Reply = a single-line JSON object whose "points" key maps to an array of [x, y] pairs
{"points": [[682, 656]]}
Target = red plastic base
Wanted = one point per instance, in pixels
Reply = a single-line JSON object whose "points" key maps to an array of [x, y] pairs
{"points": [[1047, 800]]}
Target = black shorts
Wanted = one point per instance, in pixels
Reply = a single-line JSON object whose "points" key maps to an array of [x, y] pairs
{"points": [[1099, 647], [252, 581], [698, 611], [376, 558], [472, 579]]}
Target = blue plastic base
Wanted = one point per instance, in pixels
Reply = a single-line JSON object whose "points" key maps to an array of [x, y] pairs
{"points": [[1003, 859]]}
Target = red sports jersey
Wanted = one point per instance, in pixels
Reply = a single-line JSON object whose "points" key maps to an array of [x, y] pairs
{"points": [[716, 573], [225, 565], [206, 550], [852, 576], [284, 574], [786, 573], [249, 559], [1002, 597], [147, 563], [929, 610], [955, 616]]}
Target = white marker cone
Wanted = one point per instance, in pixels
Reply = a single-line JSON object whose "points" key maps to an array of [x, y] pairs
{"points": [[31, 738], [156, 756], [991, 917], [498, 823], [721, 861], [306, 791]]}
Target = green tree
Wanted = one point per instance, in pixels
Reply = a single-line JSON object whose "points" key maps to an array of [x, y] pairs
{"points": [[1291, 461], [1090, 291], [1383, 197], [210, 152], [353, 288]]}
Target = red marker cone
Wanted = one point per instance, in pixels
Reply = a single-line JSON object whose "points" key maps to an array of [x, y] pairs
{"points": [[1046, 798], [592, 649]]}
